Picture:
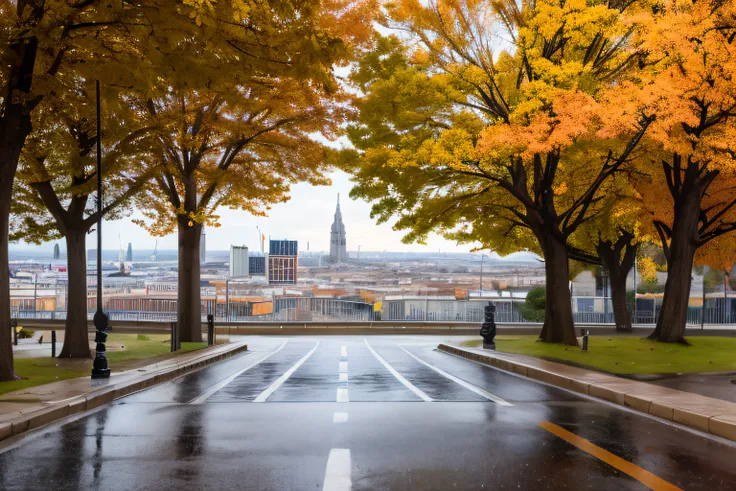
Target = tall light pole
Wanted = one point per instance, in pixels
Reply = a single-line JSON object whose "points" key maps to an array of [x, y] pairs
{"points": [[481, 274], [99, 366]]}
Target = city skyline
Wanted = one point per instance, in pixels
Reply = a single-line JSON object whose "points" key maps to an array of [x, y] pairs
{"points": [[306, 217]]}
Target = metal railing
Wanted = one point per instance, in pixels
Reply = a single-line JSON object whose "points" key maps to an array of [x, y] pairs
{"points": [[316, 310]]}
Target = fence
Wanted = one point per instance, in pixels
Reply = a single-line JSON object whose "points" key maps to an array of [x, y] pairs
{"points": [[718, 311]]}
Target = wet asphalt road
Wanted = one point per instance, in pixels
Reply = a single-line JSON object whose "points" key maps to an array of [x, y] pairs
{"points": [[269, 420]]}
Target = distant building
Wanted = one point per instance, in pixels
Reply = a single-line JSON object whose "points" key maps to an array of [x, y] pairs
{"points": [[338, 243], [257, 265], [239, 264], [203, 247], [283, 248], [282, 262], [57, 254], [129, 253]]}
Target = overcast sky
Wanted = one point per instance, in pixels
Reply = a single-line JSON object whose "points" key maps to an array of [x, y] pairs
{"points": [[307, 217]]}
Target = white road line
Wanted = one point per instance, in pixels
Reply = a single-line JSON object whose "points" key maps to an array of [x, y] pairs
{"points": [[220, 385], [398, 376], [280, 381], [471, 387], [339, 469], [340, 418], [342, 392]]}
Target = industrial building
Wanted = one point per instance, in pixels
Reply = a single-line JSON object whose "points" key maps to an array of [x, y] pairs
{"points": [[282, 262], [239, 263]]}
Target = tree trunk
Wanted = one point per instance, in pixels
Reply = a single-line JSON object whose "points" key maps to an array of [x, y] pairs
{"points": [[7, 371], [12, 138], [76, 338], [558, 326], [621, 314], [189, 302], [618, 258], [683, 244]]}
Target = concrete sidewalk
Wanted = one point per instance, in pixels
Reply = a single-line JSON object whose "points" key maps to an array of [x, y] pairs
{"points": [[27, 409], [714, 416]]}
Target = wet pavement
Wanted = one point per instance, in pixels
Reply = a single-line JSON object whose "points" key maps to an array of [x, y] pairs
{"points": [[718, 385], [410, 418]]}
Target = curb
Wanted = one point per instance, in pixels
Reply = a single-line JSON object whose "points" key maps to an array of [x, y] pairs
{"points": [[706, 414], [85, 402]]}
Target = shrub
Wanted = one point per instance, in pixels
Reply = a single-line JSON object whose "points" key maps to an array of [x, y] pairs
{"points": [[25, 333], [534, 305]]}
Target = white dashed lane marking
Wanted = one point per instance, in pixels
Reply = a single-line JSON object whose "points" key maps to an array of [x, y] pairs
{"points": [[338, 475], [342, 377]]}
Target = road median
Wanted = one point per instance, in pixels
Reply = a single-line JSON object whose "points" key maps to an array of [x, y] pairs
{"points": [[706, 414], [73, 396]]}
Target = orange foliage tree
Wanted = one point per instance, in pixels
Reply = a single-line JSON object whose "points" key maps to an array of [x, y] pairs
{"points": [[691, 168]]}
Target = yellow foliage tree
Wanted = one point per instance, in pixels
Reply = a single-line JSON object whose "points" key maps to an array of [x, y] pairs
{"points": [[507, 146]]}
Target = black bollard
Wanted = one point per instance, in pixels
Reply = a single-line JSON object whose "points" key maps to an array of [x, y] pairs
{"points": [[53, 344], [100, 368], [14, 325], [488, 328], [210, 330], [585, 333]]}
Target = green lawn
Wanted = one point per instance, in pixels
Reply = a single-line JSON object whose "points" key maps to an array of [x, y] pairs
{"points": [[134, 351], [630, 354]]}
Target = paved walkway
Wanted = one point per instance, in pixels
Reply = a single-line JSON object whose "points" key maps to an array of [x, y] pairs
{"points": [[14, 405], [719, 385]]}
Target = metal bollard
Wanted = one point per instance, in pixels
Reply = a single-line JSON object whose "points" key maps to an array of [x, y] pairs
{"points": [[53, 344], [210, 330], [585, 333], [173, 336]]}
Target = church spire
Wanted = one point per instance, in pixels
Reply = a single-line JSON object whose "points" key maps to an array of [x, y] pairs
{"points": [[338, 246]]}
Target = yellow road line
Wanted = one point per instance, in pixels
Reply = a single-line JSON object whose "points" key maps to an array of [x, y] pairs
{"points": [[643, 476]]}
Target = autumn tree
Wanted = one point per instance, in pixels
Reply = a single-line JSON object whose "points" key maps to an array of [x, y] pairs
{"points": [[123, 44], [243, 134], [690, 64], [41, 42], [57, 179], [506, 146], [612, 240]]}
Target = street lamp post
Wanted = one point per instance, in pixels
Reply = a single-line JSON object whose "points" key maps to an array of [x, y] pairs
{"points": [[481, 273], [99, 366]]}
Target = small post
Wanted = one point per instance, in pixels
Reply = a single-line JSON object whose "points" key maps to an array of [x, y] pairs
{"points": [[173, 336], [53, 344], [585, 333], [14, 324], [210, 330]]}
